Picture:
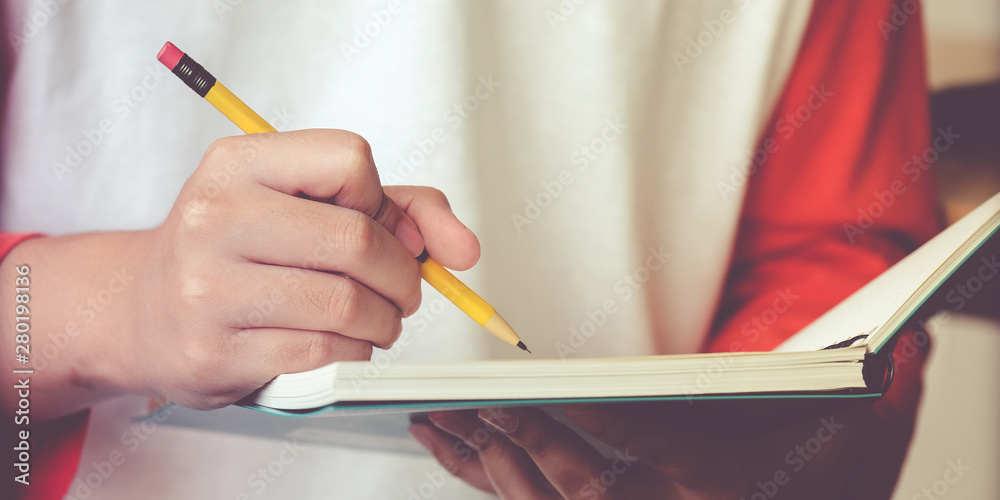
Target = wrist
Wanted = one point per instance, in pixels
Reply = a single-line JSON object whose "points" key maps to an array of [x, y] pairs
{"points": [[82, 313]]}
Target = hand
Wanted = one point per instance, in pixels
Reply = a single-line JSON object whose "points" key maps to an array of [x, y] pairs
{"points": [[281, 254], [663, 451]]}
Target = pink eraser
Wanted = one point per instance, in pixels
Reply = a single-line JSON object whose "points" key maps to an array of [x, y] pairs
{"points": [[169, 55]]}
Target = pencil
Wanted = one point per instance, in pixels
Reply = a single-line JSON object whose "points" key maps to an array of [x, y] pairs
{"points": [[206, 86]]}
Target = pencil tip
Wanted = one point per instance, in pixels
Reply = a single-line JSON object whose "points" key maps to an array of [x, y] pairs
{"points": [[523, 347]]}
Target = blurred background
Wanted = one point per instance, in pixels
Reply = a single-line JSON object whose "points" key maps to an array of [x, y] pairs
{"points": [[959, 421]]}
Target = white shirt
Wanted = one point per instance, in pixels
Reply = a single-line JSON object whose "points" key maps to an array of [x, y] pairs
{"points": [[584, 144]]}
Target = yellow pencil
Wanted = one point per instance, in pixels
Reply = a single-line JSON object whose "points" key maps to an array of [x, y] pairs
{"points": [[205, 85]]}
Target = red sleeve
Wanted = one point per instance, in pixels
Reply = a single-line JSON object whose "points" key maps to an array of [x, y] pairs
{"points": [[843, 193], [53, 448]]}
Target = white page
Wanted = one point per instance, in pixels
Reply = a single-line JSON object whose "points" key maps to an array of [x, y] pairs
{"points": [[878, 307]]}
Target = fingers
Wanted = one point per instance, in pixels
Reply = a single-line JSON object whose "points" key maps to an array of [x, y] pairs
{"points": [[571, 465], [521, 443], [226, 369], [457, 458], [281, 350], [446, 238], [300, 299], [509, 469], [288, 231], [667, 444], [334, 166]]}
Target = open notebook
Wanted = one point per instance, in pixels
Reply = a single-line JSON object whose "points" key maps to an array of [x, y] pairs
{"points": [[840, 354], [843, 354]]}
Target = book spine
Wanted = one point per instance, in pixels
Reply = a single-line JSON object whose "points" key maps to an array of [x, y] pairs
{"points": [[878, 370]]}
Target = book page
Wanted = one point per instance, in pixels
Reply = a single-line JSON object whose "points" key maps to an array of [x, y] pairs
{"points": [[879, 308]]}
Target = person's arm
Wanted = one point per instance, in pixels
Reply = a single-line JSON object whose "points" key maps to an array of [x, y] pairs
{"points": [[53, 447], [847, 194], [282, 253]]}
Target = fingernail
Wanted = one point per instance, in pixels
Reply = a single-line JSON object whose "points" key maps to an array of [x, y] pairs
{"points": [[501, 419], [410, 237], [422, 434], [447, 422], [586, 419]]}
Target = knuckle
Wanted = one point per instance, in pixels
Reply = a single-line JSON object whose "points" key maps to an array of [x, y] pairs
{"points": [[195, 354], [395, 330], [199, 361], [195, 291], [226, 156], [198, 212], [344, 302], [208, 381], [324, 348], [483, 442], [319, 349], [415, 304], [363, 352], [536, 445], [436, 194], [204, 214], [360, 237], [220, 149], [357, 151]]}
